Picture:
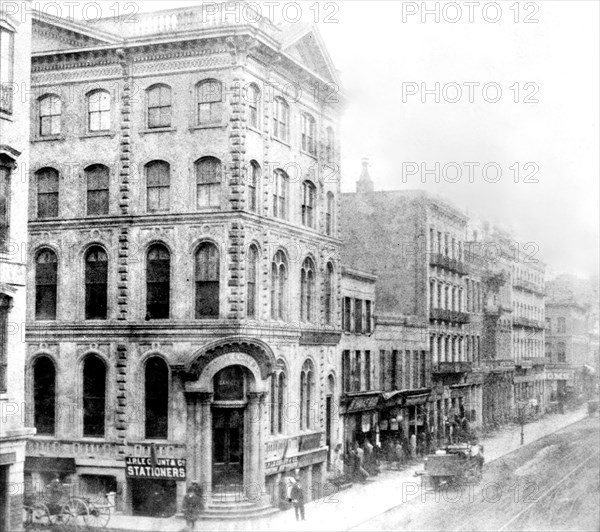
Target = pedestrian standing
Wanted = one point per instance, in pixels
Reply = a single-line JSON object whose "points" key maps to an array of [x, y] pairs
{"points": [[399, 455], [297, 495], [413, 446], [360, 456], [191, 506]]}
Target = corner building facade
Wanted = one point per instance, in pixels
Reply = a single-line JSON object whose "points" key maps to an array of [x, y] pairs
{"points": [[184, 257]]}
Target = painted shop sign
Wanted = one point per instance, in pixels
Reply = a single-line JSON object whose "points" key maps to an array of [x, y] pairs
{"points": [[559, 376], [310, 441], [164, 468], [360, 404]]}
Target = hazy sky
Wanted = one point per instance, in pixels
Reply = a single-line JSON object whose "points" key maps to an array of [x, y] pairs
{"points": [[555, 61]]}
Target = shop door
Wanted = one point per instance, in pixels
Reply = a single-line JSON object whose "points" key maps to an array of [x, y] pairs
{"points": [[228, 446]]}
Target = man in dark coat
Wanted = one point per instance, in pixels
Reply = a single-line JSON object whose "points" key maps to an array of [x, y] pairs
{"points": [[191, 505], [297, 496]]}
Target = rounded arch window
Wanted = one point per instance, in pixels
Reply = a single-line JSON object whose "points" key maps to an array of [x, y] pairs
{"points": [[229, 384]]}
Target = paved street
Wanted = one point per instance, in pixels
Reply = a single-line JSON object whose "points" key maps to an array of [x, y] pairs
{"points": [[551, 484]]}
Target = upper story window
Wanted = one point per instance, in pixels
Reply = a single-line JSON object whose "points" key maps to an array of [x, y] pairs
{"points": [[307, 291], [252, 180], [156, 397], [5, 172], [158, 186], [96, 284], [358, 316], [6, 69], [561, 352], [253, 99], [307, 392], [97, 179], [329, 215], [46, 281], [47, 193], [50, 107], [98, 103], [44, 395], [281, 119], [94, 396], [308, 134], [251, 281], [278, 392], [207, 281], [347, 314], [5, 306], [329, 293], [368, 317], [330, 148], [561, 325], [278, 286], [280, 194], [309, 193], [159, 106], [158, 282], [208, 182], [210, 102]]}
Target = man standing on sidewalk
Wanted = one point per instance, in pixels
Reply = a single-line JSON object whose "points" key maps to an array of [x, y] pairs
{"points": [[413, 446], [297, 496]]}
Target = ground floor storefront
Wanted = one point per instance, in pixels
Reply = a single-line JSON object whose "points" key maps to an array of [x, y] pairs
{"points": [[12, 455], [498, 396]]}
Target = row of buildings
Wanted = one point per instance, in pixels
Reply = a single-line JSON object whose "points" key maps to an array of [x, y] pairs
{"points": [[203, 301]]}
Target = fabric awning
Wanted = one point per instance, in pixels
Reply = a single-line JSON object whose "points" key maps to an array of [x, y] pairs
{"points": [[49, 464], [419, 399]]}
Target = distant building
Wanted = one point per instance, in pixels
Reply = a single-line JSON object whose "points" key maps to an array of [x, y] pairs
{"points": [[15, 53]]}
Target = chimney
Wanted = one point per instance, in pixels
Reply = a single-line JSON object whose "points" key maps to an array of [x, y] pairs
{"points": [[364, 183]]}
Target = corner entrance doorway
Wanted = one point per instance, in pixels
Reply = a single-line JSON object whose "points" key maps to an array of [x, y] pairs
{"points": [[228, 446]]}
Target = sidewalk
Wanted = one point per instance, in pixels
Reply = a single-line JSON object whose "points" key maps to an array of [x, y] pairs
{"points": [[359, 503]]}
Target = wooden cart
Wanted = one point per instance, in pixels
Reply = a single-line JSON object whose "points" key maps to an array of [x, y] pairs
{"points": [[456, 464]]}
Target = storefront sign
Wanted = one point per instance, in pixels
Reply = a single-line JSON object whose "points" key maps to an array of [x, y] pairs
{"points": [[278, 466], [360, 404], [416, 399], [310, 441], [164, 468], [559, 376]]}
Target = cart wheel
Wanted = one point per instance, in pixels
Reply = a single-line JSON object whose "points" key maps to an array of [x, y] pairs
{"points": [[99, 516], [74, 513], [39, 514]]}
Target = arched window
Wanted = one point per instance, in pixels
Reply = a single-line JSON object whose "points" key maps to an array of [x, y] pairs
{"points": [[251, 281], [278, 286], [252, 181], [307, 291], [159, 106], [307, 390], [329, 215], [50, 107], [278, 391], [208, 182], [46, 278], [44, 395], [280, 194], [96, 283], [158, 186], [47, 193], [97, 179], [156, 388], [158, 282], [329, 294], [98, 109], [330, 155], [253, 99], [210, 96], [5, 172], [207, 281], [308, 134], [309, 193], [281, 119], [561, 325], [94, 396]]}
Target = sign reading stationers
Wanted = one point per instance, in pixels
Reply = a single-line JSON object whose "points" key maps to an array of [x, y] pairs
{"points": [[164, 468]]}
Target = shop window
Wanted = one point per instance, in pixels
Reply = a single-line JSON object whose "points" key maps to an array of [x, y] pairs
{"points": [[158, 282], [46, 278], [94, 396], [96, 284], [156, 384], [207, 281], [44, 395]]}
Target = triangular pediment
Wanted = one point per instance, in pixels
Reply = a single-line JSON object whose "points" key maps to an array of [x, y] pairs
{"points": [[51, 33], [307, 48]]}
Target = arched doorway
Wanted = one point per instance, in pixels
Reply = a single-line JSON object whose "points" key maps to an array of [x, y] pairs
{"points": [[228, 411]]}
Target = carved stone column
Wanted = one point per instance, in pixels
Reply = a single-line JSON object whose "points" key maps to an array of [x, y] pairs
{"points": [[255, 478], [204, 427]]}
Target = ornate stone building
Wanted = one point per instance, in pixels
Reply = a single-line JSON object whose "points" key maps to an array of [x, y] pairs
{"points": [[184, 262], [15, 51]]}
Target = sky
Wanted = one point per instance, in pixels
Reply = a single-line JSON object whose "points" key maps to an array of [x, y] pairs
{"points": [[514, 131]]}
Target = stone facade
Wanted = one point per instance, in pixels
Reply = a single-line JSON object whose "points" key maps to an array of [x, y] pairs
{"points": [[15, 41], [287, 345]]}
